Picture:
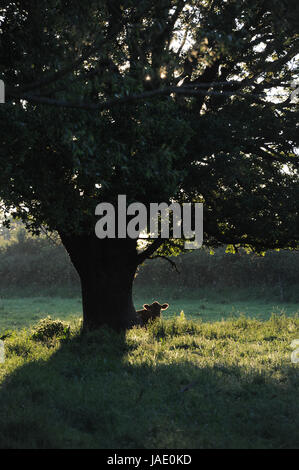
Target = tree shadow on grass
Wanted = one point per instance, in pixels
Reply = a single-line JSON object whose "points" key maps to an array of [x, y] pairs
{"points": [[102, 391]]}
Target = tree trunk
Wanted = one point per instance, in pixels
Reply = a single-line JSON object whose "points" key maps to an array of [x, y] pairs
{"points": [[106, 268]]}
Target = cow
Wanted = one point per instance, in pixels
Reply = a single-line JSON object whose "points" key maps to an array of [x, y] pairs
{"points": [[150, 312]]}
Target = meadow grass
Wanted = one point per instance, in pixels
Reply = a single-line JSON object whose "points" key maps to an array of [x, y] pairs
{"points": [[19, 311], [178, 384]]}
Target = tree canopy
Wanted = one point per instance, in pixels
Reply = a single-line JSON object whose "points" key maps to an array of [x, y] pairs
{"points": [[168, 100], [186, 101]]}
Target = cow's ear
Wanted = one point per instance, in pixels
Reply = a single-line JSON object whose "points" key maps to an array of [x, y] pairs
{"points": [[164, 306], [146, 306]]}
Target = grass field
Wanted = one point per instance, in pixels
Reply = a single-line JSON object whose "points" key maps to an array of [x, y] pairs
{"points": [[218, 376], [178, 384], [19, 312]]}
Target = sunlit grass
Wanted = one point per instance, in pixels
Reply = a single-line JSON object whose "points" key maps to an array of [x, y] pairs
{"points": [[176, 384], [202, 304]]}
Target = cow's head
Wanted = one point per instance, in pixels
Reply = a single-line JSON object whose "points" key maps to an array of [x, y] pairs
{"points": [[154, 310]]}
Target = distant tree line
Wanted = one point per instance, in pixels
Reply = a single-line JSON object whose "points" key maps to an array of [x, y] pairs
{"points": [[276, 271], [35, 263], [39, 263]]}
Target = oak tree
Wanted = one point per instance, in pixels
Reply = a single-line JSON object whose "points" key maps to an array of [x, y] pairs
{"points": [[185, 101]]}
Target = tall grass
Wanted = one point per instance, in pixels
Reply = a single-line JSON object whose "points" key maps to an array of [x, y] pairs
{"points": [[176, 384]]}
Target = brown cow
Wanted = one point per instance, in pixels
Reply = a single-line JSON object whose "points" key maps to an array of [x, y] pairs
{"points": [[150, 312]]}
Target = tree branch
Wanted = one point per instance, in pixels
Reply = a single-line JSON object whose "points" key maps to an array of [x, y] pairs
{"points": [[45, 232], [185, 91], [270, 154], [149, 250], [112, 32], [61, 73]]}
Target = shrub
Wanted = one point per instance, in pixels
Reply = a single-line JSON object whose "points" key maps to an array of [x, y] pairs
{"points": [[47, 329]]}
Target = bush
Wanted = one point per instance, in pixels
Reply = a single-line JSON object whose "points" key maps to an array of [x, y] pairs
{"points": [[47, 329]]}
